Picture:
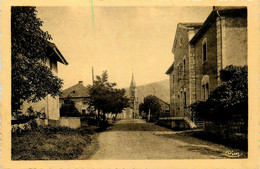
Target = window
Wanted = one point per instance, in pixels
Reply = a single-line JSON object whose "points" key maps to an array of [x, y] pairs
{"points": [[205, 87], [185, 100], [206, 91], [180, 41], [74, 91], [204, 50], [184, 66]]}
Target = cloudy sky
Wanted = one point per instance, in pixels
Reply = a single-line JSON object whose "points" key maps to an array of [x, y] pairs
{"points": [[120, 39]]}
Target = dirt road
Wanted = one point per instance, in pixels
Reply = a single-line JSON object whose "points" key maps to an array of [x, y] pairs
{"points": [[136, 139]]}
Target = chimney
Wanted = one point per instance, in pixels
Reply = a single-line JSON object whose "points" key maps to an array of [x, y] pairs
{"points": [[81, 82]]}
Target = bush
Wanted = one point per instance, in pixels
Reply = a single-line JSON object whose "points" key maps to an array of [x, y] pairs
{"points": [[68, 109], [227, 100]]}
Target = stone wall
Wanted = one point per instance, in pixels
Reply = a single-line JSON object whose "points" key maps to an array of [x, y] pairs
{"points": [[71, 122], [234, 130], [181, 72], [208, 67]]}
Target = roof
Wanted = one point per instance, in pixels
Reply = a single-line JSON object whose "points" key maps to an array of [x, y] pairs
{"points": [[161, 100], [195, 24], [170, 69], [187, 26], [76, 91], [212, 16], [55, 53]]}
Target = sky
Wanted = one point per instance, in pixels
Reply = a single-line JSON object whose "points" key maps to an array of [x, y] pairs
{"points": [[120, 40]]}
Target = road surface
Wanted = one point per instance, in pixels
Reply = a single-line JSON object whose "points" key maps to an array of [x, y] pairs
{"points": [[136, 139]]}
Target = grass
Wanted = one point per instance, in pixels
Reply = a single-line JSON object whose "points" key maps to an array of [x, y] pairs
{"points": [[54, 143]]}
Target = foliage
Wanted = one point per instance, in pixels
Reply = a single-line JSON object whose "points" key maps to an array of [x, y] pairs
{"points": [[68, 109], [150, 102], [53, 143], [104, 97], [228, 99], [32, 80], [119, 101]]}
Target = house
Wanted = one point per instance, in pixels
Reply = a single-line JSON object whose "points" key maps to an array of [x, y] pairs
{"points": [[201, 51], [179, 72], [221, 41], [50, 105], [77, 93], [165, 107]]}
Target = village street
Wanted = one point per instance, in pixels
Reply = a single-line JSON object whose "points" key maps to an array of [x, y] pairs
{"points": [[136, 139]]}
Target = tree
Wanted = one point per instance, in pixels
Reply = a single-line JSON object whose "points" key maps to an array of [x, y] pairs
{"points": [[105, 98], [119, 101], [227, 100], [32, 80], [68, 109], [150, 104]]}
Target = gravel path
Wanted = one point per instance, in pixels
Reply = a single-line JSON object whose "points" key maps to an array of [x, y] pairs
{"points": [[136, 139]]}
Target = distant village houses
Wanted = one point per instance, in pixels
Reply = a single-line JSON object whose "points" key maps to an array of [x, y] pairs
{"points": [[79, 94], [201, 51]]}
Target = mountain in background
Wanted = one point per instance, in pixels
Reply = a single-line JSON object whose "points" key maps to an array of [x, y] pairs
{"points": [[160, 89]]}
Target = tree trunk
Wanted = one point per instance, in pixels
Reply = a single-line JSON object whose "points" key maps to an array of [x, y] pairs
{"points": [[98, 117], [115, 117], [104, 116]]}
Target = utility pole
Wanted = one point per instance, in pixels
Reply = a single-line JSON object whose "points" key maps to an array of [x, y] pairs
{"points": [[92, 75]]}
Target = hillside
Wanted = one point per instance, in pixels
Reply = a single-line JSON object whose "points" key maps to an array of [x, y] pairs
{"points": [[160, 89]]}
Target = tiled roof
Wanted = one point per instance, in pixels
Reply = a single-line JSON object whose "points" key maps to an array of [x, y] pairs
{"points": [[78, 90]]}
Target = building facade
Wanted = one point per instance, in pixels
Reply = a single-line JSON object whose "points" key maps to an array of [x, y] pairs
{"points": [[178, 72], [220, 42], [79, 94], [201, 51], [50, 105]]}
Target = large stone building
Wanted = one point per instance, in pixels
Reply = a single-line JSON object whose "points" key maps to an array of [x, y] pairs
{"points": [[77, 93], [201, 51], [179, 70], [50, 105]]}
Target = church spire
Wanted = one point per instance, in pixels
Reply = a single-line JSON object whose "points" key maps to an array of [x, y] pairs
{"points": [[132, 85]]}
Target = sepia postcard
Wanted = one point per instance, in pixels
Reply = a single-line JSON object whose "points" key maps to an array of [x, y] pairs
{"points": [[129, 84]]}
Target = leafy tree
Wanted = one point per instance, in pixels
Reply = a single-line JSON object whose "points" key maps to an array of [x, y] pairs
{"points": [[228, 99], [150, 104], [104, 98], [119, 101], [32, 80], [68, 109]]}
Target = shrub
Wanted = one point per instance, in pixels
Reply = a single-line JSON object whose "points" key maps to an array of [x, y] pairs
{"points": [[227, 100], [68, 109]]}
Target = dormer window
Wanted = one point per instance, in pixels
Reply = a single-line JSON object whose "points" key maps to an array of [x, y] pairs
{"points": [[73, 91]]}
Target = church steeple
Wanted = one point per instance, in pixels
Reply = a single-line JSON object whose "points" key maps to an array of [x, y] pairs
{"points": [[132, 85], [133, 99]]}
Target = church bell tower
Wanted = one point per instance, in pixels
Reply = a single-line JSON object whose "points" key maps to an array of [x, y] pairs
{"points": [[133, 98]]}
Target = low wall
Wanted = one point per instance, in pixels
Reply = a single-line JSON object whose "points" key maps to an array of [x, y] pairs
{"points": [[71, 122], [174, 123], [235, 130]]}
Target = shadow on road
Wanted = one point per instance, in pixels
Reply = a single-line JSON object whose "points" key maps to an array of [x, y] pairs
{"points": [[137, 125]]}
